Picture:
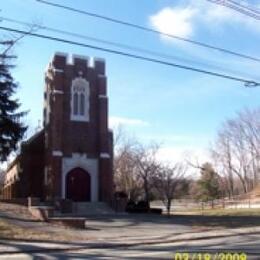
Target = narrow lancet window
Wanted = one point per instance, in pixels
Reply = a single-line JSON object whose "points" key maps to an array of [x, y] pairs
{"points": [[82, 104], [80, 100], [75, 103]]}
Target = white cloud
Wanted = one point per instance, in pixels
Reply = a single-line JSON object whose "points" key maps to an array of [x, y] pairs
{"points": [[177, 139], [178, 154], [186, 155], [194, 155], [174, 21], [183, 21], [115, 121]]}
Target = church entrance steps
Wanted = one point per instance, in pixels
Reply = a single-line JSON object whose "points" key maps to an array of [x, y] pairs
{"points": [[81, 209], [92, 208]]}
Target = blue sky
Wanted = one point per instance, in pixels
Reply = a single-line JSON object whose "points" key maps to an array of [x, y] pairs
{"points": [[180, 109]]}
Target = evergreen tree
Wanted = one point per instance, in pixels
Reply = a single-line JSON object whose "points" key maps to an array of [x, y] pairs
{"points": [[11, 128], [208, 184]]}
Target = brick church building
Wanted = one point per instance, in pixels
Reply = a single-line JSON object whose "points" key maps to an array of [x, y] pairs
{"points": [[72, 156]]}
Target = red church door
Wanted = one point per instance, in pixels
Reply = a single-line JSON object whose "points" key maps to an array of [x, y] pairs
{"points": [[78, 185]]}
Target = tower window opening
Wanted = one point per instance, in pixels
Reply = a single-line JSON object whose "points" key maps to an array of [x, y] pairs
{"points": [[80, 100]]}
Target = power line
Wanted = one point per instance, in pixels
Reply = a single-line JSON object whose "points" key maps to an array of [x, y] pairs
{"points": [[255, 9], [10, 44], [143, 28], [248, 83], [112, 43], [238, 7], [241, 10]]}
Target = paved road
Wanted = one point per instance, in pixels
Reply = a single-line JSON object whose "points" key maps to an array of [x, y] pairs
{"points": [[249, 244], [140, 247], [136, 237]]}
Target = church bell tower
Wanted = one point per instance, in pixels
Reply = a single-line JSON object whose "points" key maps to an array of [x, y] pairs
{"points": [[78, 143]]}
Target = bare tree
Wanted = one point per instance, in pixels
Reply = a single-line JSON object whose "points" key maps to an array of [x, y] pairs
{"points": [[168, 182], [147, 166], [222, 158], [236, 151], [125, 175]]}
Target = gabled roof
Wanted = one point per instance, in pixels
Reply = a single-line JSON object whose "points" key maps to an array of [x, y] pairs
{"points": [[33, 137], [27, 142]]}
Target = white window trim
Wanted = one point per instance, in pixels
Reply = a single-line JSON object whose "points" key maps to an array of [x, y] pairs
{"points": [[85, 117]]}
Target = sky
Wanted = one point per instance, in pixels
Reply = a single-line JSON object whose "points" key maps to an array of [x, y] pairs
{"points": [[181, 110]]}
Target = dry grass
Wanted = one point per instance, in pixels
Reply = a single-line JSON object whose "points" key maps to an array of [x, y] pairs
{"points": [[10, 231]]}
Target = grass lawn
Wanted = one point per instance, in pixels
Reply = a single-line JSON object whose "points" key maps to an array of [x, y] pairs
{"points": [[221, 212], [221, 218]]}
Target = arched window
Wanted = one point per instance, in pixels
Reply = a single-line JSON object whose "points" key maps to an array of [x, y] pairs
{"points": [[80, 100]]}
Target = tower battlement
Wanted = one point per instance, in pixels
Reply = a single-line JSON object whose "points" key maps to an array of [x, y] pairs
{"points": [[60, 61]]}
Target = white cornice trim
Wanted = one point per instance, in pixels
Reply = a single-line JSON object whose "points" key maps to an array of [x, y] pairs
{"points": [[57, 70], [56, 91], [57, 153], [104, 155]]}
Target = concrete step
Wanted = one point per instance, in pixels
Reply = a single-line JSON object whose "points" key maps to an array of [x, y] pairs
{"points": [[85, 209], [91, 208]]}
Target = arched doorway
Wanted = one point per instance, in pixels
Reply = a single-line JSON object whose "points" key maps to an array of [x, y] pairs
{"points": [[78, 185]]}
